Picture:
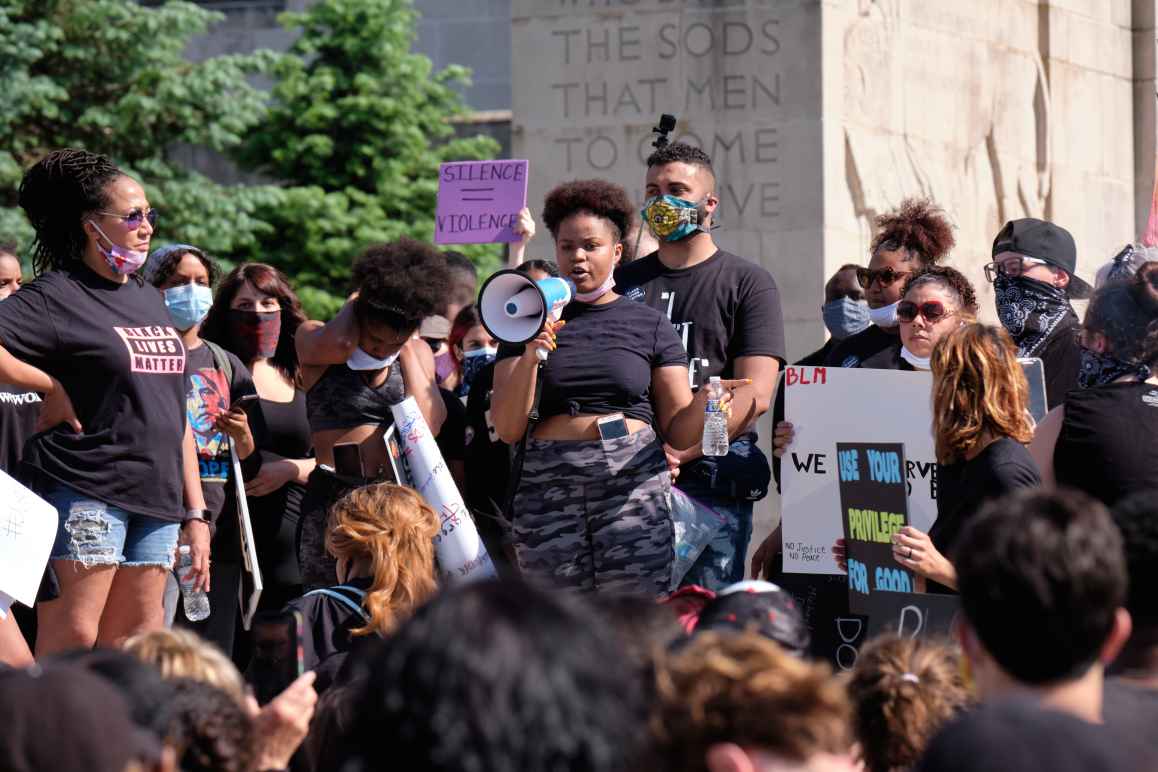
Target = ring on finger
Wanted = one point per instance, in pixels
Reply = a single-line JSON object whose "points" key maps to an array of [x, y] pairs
{"points": [[910, 553]]}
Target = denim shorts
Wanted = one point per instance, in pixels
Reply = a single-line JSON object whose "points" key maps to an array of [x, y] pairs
{"points": [[94, 533]]}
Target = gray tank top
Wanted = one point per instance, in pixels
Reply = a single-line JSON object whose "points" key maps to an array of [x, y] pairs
{"points": [[341, 399]]}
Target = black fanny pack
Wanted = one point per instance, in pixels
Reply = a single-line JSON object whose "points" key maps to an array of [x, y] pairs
{"points": [[743, 474]]}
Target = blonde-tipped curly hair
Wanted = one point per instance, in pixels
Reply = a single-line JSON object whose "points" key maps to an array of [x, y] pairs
{"points": [[395, 528], [181, 653], [978, 387], [903, 691], [745, 689]]}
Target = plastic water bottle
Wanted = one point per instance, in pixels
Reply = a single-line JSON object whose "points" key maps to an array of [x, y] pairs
{"points": [[196, 601], [715, 441]]}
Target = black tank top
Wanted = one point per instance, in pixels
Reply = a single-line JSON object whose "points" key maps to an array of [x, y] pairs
{"points": [[341, 399], [1108, 446]]}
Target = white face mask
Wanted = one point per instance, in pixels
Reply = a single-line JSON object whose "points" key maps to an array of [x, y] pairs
{"points": [[885, 316], [921, 363], [360, 360]]}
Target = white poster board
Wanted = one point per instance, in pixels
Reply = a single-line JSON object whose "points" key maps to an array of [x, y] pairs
{"points": [[249, 589], [27, 531], [831, 405], [460, 553]]}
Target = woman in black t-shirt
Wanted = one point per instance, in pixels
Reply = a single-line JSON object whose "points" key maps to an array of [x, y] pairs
{"points": [[356, 367], [981, 424], [216, 380], [116, 456], [592, 509], [255, 315], [1104, 438]]}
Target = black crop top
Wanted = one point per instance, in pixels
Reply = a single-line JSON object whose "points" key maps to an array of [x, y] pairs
{"points": [[604, 361], [341, 399]]}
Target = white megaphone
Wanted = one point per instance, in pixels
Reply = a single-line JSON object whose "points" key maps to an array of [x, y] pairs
{"points": [[514, 308]]}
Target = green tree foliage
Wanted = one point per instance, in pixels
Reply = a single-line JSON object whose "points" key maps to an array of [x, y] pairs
{"points": [[349, 138], [110, 76], [356, 130]]}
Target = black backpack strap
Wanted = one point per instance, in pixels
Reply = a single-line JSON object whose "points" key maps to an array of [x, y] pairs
{"points": [[220, 359]]}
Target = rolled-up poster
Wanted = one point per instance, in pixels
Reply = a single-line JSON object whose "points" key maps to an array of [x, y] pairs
{"points": [[458, 549]]}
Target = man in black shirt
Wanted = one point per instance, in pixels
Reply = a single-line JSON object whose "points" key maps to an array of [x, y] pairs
{"points": [[1033, 276], [726, 311]]}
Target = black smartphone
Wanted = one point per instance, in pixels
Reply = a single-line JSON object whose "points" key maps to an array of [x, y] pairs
{"points": [[245, 402], [278, 653], [348, 459]]}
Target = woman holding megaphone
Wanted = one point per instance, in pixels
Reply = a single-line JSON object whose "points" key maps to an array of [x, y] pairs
{"points": [[591, 509]]}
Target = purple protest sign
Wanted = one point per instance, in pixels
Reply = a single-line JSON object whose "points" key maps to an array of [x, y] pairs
{"points": [[479, 201]]}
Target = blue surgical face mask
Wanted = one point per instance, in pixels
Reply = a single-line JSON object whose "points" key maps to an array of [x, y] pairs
{"points": [[671, 219], [188, 304], [845, 317]]}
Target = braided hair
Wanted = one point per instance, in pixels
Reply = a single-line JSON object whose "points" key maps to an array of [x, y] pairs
{"points": [[56, 193]]}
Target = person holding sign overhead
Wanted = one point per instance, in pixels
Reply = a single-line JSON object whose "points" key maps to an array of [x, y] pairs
{"points": [[981, 425], [592, 508], [356, 367]]}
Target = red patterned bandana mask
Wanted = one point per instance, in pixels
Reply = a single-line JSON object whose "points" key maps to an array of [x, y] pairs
{"points": [[255, 333]]}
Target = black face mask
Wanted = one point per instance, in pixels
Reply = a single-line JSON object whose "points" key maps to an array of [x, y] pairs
{"points": [[1031, 310]]}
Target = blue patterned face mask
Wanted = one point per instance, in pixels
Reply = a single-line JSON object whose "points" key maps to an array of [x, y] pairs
{"points": [[473, 363], [671, 219], [845, 317], [1099, 369]]}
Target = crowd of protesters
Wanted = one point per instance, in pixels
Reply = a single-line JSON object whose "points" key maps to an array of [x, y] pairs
{"points": [[144, 394]]}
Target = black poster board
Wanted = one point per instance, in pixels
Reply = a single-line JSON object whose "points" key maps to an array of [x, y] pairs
{"points": [[912, 615], [836, 634], [874, 505]]}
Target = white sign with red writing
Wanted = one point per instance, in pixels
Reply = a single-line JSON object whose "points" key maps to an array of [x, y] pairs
{"points": [[831, 405], [461, 555]]}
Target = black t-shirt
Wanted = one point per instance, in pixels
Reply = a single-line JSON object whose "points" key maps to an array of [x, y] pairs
{"points": [[19, 409], [488, 459], [962, 488], [329, 622], [1061, 358], [851, 352], [451, 437], [817, 358], [122, 364], [888, 358], [723, 308], [605, 358], [1108, 446], [209, 396]]}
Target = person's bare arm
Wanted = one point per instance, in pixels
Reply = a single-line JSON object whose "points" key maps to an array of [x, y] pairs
{"points": [[329, 343], [752, 402], [195, 533], [1045, 441], [514, 390], [417, 361]]}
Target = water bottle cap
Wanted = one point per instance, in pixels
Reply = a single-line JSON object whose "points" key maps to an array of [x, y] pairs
{"points": [[714, 379], [183, 549]]}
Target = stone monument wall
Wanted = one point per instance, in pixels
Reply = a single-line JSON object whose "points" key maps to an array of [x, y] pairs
{"points": [[820, 114]]}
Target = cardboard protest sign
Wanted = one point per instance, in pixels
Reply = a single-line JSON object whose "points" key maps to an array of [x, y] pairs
{"points": [[460, 553], [1034, 370], [836, 634], [874, 506], [479, 201], [251, 585], [27, 531], [912, 615], [830, 405]]}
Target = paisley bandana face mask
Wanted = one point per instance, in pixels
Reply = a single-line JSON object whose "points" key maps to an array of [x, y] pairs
{"points": [[1100, 369], [671, 219], [1031, 310]]}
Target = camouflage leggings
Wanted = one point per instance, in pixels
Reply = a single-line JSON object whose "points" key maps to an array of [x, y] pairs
{"points": [[596, 516]]}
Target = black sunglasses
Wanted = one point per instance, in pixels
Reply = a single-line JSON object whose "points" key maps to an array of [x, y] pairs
{"points": [[933, 311], [133, 219], [886, 276]]}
